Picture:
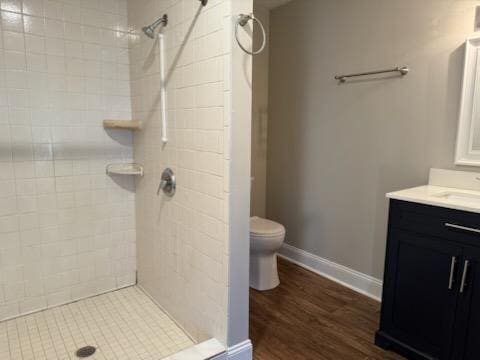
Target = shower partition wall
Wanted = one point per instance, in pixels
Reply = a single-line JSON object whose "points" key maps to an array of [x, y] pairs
{"points": [[182, 241], [193, 249]]}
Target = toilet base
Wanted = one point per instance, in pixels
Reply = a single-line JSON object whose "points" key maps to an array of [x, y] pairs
{"points": [[263, 271]]}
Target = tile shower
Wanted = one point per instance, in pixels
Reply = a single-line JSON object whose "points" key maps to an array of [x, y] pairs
{"points": [[73, 240]]}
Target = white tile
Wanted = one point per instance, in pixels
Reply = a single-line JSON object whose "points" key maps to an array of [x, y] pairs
{"points": [[24, 170], [11, 5], [45, 185], [21, 134], [13, 41], [55, 46], [33, 7], [44, 169], [34, 25], [19, 117], [7, 188], [53, 9], [124, 324], [72, 14], [16, 79], [15, 60], [43, 152], [54, 28], [12, 21], [34, 44], [8, 206], [6, 170], [73, 31], [18, 98], [22, 152], [41, 134]]}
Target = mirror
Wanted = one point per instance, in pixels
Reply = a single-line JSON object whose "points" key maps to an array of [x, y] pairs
{"points": [[468, 137]]}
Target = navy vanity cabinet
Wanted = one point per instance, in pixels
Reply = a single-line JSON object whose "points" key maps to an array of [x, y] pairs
{"points": [[431, 291], [418, 308], [467, 332]]}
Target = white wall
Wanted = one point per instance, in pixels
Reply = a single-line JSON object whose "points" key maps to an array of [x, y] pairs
{"points": [[66, 229], [239, 167], [183, 242], [335, 150], [260, 115]]}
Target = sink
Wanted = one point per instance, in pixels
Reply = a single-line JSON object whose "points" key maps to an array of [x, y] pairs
{"points": [[459, 196]]}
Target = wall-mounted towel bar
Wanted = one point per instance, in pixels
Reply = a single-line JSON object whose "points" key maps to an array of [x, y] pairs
{"points": [[401, 70]]}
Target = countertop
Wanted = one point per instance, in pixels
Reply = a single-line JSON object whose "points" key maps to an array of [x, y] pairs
{"points": [[447, 197]]}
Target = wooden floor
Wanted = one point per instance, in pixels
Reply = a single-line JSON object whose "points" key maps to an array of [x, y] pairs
{"points": [[311, 317]]}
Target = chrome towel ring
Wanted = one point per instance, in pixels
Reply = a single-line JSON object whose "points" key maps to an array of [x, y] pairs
{"points": [[242, 20]]}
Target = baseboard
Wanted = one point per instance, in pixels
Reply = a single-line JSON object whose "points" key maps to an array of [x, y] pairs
{"points": [[355, 280], [241, 351]]}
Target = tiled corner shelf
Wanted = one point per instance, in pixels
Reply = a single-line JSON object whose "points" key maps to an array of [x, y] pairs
{"points": [[125, 169], [122, 124]]}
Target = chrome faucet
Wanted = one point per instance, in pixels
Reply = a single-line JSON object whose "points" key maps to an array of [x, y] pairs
{"points": [[168, 183]]}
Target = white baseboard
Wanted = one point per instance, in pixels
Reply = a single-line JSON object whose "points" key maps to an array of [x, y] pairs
{"points": [[355, 280], [241, 351]]}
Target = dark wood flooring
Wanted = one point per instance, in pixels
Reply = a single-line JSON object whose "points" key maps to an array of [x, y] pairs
{"points": [[311, 317]]}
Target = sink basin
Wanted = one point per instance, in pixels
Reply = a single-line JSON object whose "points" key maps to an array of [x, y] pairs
{"points": [[459, 196]]}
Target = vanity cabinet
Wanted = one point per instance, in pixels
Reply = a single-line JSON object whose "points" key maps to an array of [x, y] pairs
{"points": [[431, 291], [468, 319]]}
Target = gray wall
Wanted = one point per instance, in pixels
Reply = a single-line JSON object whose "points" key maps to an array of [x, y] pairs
{"points": [[335, 150], [259, 116]]}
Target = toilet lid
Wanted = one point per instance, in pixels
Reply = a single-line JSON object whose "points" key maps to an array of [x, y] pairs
{"points": [[262, 226]]}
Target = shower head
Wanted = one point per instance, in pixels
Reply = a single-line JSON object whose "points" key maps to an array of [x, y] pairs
{"points": [[150, 29]]}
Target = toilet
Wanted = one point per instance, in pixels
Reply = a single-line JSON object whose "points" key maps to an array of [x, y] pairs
{"points": [[266, 237]]}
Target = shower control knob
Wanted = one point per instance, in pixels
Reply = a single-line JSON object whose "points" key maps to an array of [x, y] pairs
{"points": [[168, 183]]}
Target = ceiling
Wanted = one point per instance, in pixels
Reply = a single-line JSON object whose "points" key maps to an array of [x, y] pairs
{"points": [[271, 4]]}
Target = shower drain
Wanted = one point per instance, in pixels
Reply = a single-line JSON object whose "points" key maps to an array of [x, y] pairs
{"points": [[85, 351]]}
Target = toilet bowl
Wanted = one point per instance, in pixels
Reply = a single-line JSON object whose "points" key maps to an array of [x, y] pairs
{"points": [[266, 237]]}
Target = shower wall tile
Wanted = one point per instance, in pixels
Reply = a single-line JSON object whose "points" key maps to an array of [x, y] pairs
{"points": [[182, 241], [66, 229]]}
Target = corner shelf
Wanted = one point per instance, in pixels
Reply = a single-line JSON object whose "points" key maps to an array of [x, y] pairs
{"points": [[124, 169], [122, 124]]}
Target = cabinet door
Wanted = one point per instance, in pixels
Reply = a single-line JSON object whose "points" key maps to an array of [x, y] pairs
{"points": [[421, 291], [467, 327]]}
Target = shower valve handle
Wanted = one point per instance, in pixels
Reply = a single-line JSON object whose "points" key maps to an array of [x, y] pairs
{"points": [[168, 183], [162, 185]]}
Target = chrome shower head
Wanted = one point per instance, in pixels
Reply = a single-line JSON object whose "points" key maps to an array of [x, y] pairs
{"points": [[150, 29]]}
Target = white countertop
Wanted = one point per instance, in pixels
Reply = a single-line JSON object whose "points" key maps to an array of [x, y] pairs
{"points": [[447, 197]]}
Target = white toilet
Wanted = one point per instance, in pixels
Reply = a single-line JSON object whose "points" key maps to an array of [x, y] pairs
{"points": [[266, 237]]}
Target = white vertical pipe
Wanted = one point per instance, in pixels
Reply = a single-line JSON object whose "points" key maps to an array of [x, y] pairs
{"points": [[163, 90]]}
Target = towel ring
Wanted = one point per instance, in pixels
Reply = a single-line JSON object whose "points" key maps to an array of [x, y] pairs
{"points": [[242, 20]]}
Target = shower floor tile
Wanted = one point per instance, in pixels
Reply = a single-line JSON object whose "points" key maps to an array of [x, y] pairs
{"points": [[123, 325]]}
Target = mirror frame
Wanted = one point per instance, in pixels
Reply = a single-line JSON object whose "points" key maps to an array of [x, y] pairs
{"points": [[464, 155]]}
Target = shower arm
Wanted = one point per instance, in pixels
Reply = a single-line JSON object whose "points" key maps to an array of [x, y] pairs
{"points": [[163, 20], [150, 29]]}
